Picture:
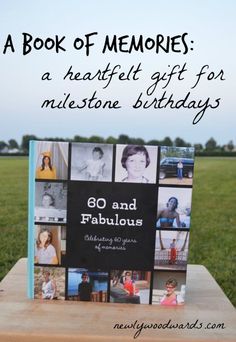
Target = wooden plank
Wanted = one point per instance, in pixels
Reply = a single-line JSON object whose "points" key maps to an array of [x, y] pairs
{"points": [[26, 320]]}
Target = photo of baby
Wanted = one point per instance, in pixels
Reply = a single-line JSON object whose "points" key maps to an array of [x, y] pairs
{"points": [[91, 162]]}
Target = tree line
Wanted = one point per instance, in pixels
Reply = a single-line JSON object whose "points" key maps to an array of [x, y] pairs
{"points": [[209, 148]]}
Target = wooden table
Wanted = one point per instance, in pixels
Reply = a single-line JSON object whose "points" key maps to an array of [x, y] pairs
{"points": [[27, 320]]}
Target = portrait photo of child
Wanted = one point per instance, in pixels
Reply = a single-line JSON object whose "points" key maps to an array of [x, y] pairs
{"points": [[91, 162], [136, 164]]}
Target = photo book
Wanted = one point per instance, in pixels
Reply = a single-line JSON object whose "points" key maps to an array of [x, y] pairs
{"points": [[109, 223]]}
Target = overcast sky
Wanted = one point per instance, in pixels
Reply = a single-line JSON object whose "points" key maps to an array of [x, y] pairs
{"points": [[209, 24]]}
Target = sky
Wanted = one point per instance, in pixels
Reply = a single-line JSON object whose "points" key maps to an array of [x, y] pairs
{"points": [[209, 24]]}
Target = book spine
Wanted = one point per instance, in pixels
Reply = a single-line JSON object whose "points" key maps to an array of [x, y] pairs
{"points": [[31, 200]]}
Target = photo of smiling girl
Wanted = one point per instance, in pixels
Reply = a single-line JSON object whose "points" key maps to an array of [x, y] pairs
{"points": [[169, 288], [174, 207], [46, 170], [51, 160], [45, 252], [136, 164], [168, 215]]}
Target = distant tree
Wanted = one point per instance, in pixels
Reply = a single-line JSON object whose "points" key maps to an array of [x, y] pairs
{"points": [[198, 147], [96, 139], [25, 142], [123, 139], [53, 139], [12, 143], [221, 148], [179, 142], [230, 145], [2, 145], [211, 145], [78, 138], [167, 142], [153, 142], [137, 141], [111, 140]]}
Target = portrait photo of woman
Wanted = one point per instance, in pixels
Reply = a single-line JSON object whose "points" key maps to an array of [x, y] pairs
{"points": [[169, 288], [174, 207], [46, 170], [50, 244], [171, 297], [49, 283], [45, 252], [51, 160], [168, 215]]}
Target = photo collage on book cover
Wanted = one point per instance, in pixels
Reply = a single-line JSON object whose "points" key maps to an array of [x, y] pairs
{"points": [[111, 222]]}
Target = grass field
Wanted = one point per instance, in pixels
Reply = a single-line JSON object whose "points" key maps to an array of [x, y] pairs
{"points": [[213, 228]]}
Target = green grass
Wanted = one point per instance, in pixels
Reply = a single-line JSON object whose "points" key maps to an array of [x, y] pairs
{"points": [[213, 229], [13, 211], [212, 238]]}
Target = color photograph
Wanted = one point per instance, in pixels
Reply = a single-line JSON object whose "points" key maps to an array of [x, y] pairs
{"points": [[176, 165], [132, 287], [117, 170], [49, 283], [51, 160], [50, 244], [88, 286], [171, 250], [169, 288], [174, 207]]}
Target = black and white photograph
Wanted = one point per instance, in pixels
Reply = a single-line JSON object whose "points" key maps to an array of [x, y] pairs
{"points": [[174, 207], [50, 202], [51, 160], [91, 162], [169, 288], [136, 164], [50, 244], [176, 165], [171, 250]]}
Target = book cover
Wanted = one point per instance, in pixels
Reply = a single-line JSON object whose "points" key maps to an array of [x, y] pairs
{"points": [[109, 223]]}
